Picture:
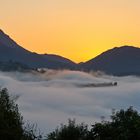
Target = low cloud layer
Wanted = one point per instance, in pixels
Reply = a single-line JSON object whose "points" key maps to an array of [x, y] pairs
{"points": [[51, 98]]}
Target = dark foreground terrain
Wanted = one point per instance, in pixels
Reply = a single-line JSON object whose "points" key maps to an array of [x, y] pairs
{"points": [[123, 125]]}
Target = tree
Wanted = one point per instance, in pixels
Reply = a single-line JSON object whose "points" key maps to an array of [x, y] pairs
{"points": [[11, 121], [124, 125], [72, 131], [10, 118]]}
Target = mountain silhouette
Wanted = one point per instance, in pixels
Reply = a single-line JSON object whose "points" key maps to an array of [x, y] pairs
{"points": [[11, 51], [118, 61]]}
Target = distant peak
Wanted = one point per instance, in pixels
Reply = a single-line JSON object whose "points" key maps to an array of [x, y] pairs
{"points": [[1, 31], [127, 47], [6, 40]]}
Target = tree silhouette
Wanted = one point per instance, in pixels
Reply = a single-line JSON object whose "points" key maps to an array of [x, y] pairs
{"points": [[10, 118], [124, 125], [72, 131], [11, 121]]}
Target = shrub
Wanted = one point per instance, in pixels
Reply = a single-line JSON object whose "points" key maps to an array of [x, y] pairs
{"points": [[72, 131], [11, 121], [124, 125]]}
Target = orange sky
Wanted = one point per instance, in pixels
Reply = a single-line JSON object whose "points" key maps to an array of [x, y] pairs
{"points": [[76, 29]]}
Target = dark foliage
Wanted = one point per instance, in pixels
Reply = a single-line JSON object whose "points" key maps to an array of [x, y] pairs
{"points": [[10, 118], [11, 121], [13, 66], [125, 125], [72, 131]]}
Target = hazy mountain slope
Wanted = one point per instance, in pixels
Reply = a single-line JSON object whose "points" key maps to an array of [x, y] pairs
{"points": [[117, 61], [62, 61], [11, 51]]}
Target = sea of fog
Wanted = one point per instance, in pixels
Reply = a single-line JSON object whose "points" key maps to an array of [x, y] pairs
{"points": [[51, 98]]}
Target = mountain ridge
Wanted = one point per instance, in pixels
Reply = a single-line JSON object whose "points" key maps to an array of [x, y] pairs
{"points": [[11, 51], [120, 61], [123, 60]]}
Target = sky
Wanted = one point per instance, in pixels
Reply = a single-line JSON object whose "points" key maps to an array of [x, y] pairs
{"points": [[76, 29]]}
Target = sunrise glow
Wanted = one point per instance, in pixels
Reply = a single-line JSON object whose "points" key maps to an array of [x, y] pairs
{"points": [[76, 29]]}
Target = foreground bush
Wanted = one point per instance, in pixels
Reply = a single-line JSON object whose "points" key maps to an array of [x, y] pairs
{"points": [[72, 131], [11, 121], [124, 125]]}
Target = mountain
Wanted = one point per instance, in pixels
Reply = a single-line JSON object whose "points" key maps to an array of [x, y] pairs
{"points": [[11, 51], [118, 61], [60, 61]]}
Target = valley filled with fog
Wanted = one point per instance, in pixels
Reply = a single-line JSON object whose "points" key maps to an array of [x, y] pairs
{"points": [[51, 98]]}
